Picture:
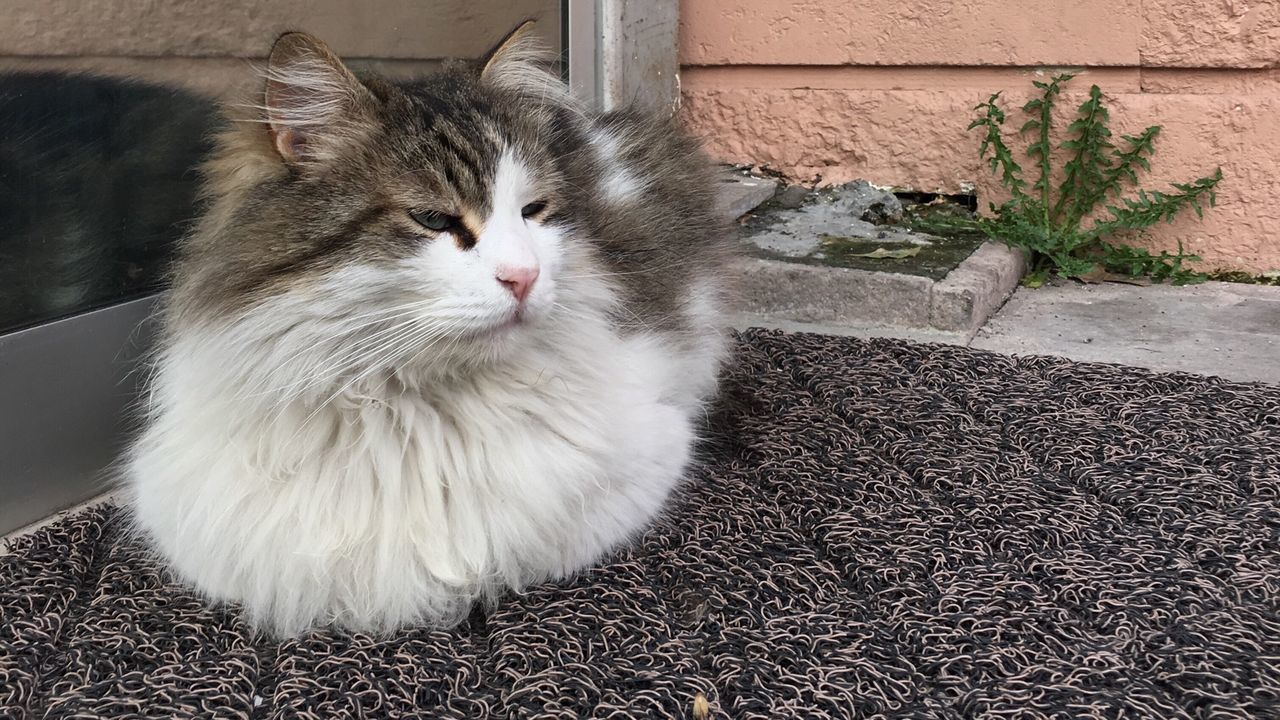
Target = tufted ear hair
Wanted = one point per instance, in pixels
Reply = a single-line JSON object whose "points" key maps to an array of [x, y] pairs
{"points": [[313, 102], [520, 62]]}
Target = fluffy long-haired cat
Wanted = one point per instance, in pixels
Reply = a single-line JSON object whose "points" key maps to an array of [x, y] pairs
{"points": [[432, 340]]}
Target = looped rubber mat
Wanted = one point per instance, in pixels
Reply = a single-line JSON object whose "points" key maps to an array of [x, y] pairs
{"points": [[874, 528]]}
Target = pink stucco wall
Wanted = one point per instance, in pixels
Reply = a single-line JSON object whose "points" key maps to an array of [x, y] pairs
{"points": [[829, 90]]}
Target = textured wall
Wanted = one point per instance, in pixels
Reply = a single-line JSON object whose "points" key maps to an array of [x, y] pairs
{"points": [[829, 91], [245, 28], [201, 44]]}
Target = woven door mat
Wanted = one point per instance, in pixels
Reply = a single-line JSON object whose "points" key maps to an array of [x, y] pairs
{"points": [[872, 528]]}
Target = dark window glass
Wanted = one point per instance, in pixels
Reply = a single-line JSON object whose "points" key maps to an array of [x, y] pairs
{"points": [[97, 182]]}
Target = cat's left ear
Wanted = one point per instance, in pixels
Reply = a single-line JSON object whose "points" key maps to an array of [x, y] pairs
{"points": [[314, 104], [519, 62]]}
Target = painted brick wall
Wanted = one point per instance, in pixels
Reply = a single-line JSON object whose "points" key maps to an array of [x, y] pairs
{"points": [[829, 90]]}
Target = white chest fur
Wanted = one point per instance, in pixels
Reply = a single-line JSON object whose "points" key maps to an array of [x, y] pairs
{"points": [[392, 505]]}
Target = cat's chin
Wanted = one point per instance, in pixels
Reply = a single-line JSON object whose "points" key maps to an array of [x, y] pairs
{"points": [[514, 323], [497, 339]]}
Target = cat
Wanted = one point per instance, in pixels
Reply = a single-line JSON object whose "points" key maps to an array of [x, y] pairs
{"points": [[431, 342], [95, 186]]}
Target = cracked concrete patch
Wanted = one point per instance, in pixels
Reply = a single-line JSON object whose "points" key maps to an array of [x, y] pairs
{"points": [[803, 225], [857, 226], [742, 192]]}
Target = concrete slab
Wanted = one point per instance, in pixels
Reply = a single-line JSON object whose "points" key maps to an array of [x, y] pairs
{"points": [[741, 193], [958, 303], [814, 258], [1224, 329], [809, 293]]}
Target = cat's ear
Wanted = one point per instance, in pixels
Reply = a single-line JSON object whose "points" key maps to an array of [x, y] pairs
{"points": [[519, 62], [313, 102]]}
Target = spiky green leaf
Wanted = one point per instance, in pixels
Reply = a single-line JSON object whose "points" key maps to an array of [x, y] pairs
{"points": [[1096, 170]]}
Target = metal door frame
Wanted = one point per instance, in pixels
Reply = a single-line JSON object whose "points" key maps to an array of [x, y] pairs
{"points": [[580, 37]]}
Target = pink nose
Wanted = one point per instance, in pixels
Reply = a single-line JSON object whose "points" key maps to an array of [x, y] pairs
{"points": [[519, 280]]}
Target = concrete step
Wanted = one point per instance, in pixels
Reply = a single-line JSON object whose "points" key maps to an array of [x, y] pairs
{"points": [[812, 260]]}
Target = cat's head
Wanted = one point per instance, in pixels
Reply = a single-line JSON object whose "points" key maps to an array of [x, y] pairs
{"points": [[432, 212]]}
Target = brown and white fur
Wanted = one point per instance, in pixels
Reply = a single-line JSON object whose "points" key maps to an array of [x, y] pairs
{"points": [[431, 341]]}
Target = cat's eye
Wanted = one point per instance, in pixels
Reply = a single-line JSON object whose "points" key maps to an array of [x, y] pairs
{"points": [[533, 209], [434, 221]]}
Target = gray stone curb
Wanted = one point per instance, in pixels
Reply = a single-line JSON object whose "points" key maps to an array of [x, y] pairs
{"points": [[959, 303], [976, 288], [817, 294]]}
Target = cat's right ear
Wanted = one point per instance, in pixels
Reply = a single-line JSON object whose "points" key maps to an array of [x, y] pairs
{"points": [[313, 103]]}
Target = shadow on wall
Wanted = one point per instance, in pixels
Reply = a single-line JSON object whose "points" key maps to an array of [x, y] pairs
{"points": [[97, 181]]}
